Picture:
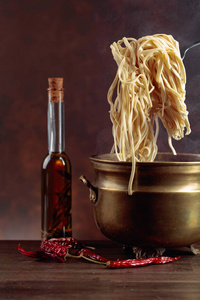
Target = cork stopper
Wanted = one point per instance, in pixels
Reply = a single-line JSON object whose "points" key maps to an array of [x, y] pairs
{"points": [[55, 83], [55, 90]]}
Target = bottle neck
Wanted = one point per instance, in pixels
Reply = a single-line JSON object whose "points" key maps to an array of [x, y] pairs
{"points": [[56, 122]]}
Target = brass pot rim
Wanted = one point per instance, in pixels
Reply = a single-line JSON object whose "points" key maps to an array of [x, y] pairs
{"points": [[179, 159]]}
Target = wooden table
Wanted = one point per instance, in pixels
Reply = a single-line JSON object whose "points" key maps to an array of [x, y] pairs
{"points": [[27, 278]]}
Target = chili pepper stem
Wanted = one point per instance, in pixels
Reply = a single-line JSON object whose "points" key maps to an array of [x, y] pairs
{"points": [[70, 255], [107, 264], [84, 257], [90, 247]]}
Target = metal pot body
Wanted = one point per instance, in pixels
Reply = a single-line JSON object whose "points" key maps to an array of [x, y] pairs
{"points": [[164, 209]]}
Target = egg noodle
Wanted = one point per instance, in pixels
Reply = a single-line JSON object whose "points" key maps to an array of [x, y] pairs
{"points": [[149, 84]]}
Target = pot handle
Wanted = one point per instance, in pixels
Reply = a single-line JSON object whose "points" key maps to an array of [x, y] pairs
{"points": [[93, 190]]}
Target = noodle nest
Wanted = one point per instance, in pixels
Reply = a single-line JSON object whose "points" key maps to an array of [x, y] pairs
{"points": [[149, 85]]}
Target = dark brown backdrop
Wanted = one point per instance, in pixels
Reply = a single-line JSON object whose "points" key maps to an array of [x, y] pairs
{"points": [[68, 38]]}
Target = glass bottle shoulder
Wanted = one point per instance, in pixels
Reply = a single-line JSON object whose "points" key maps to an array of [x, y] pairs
{"points": [[56, 159]]}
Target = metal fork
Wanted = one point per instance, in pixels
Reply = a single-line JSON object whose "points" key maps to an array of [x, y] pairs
{"points": [[185, 50]]}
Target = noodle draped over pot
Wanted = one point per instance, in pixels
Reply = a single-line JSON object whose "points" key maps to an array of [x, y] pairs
{"points": [[149, 84]]}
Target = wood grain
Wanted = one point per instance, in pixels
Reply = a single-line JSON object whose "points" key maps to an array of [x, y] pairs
{"points": [[27, 278]]}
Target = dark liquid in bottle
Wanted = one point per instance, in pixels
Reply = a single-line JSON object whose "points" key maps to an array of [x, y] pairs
{"points": [[56, 196]]}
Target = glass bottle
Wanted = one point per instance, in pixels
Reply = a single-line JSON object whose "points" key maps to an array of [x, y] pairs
{"points": [[56, 169]]}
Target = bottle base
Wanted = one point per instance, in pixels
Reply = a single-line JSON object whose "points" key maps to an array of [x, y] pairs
{"points": [[56, 234]]}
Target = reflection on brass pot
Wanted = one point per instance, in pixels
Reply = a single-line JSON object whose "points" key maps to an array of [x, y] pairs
{"points": [[164, 209]]}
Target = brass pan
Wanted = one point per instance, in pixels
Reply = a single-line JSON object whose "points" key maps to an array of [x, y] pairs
{"points": [[164, 209]]}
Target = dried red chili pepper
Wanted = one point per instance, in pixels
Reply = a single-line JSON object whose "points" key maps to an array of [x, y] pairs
{"points": [[68, 241], [35, 254], [54, 250], [59, 248], [129, 263], [91, 256]]}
